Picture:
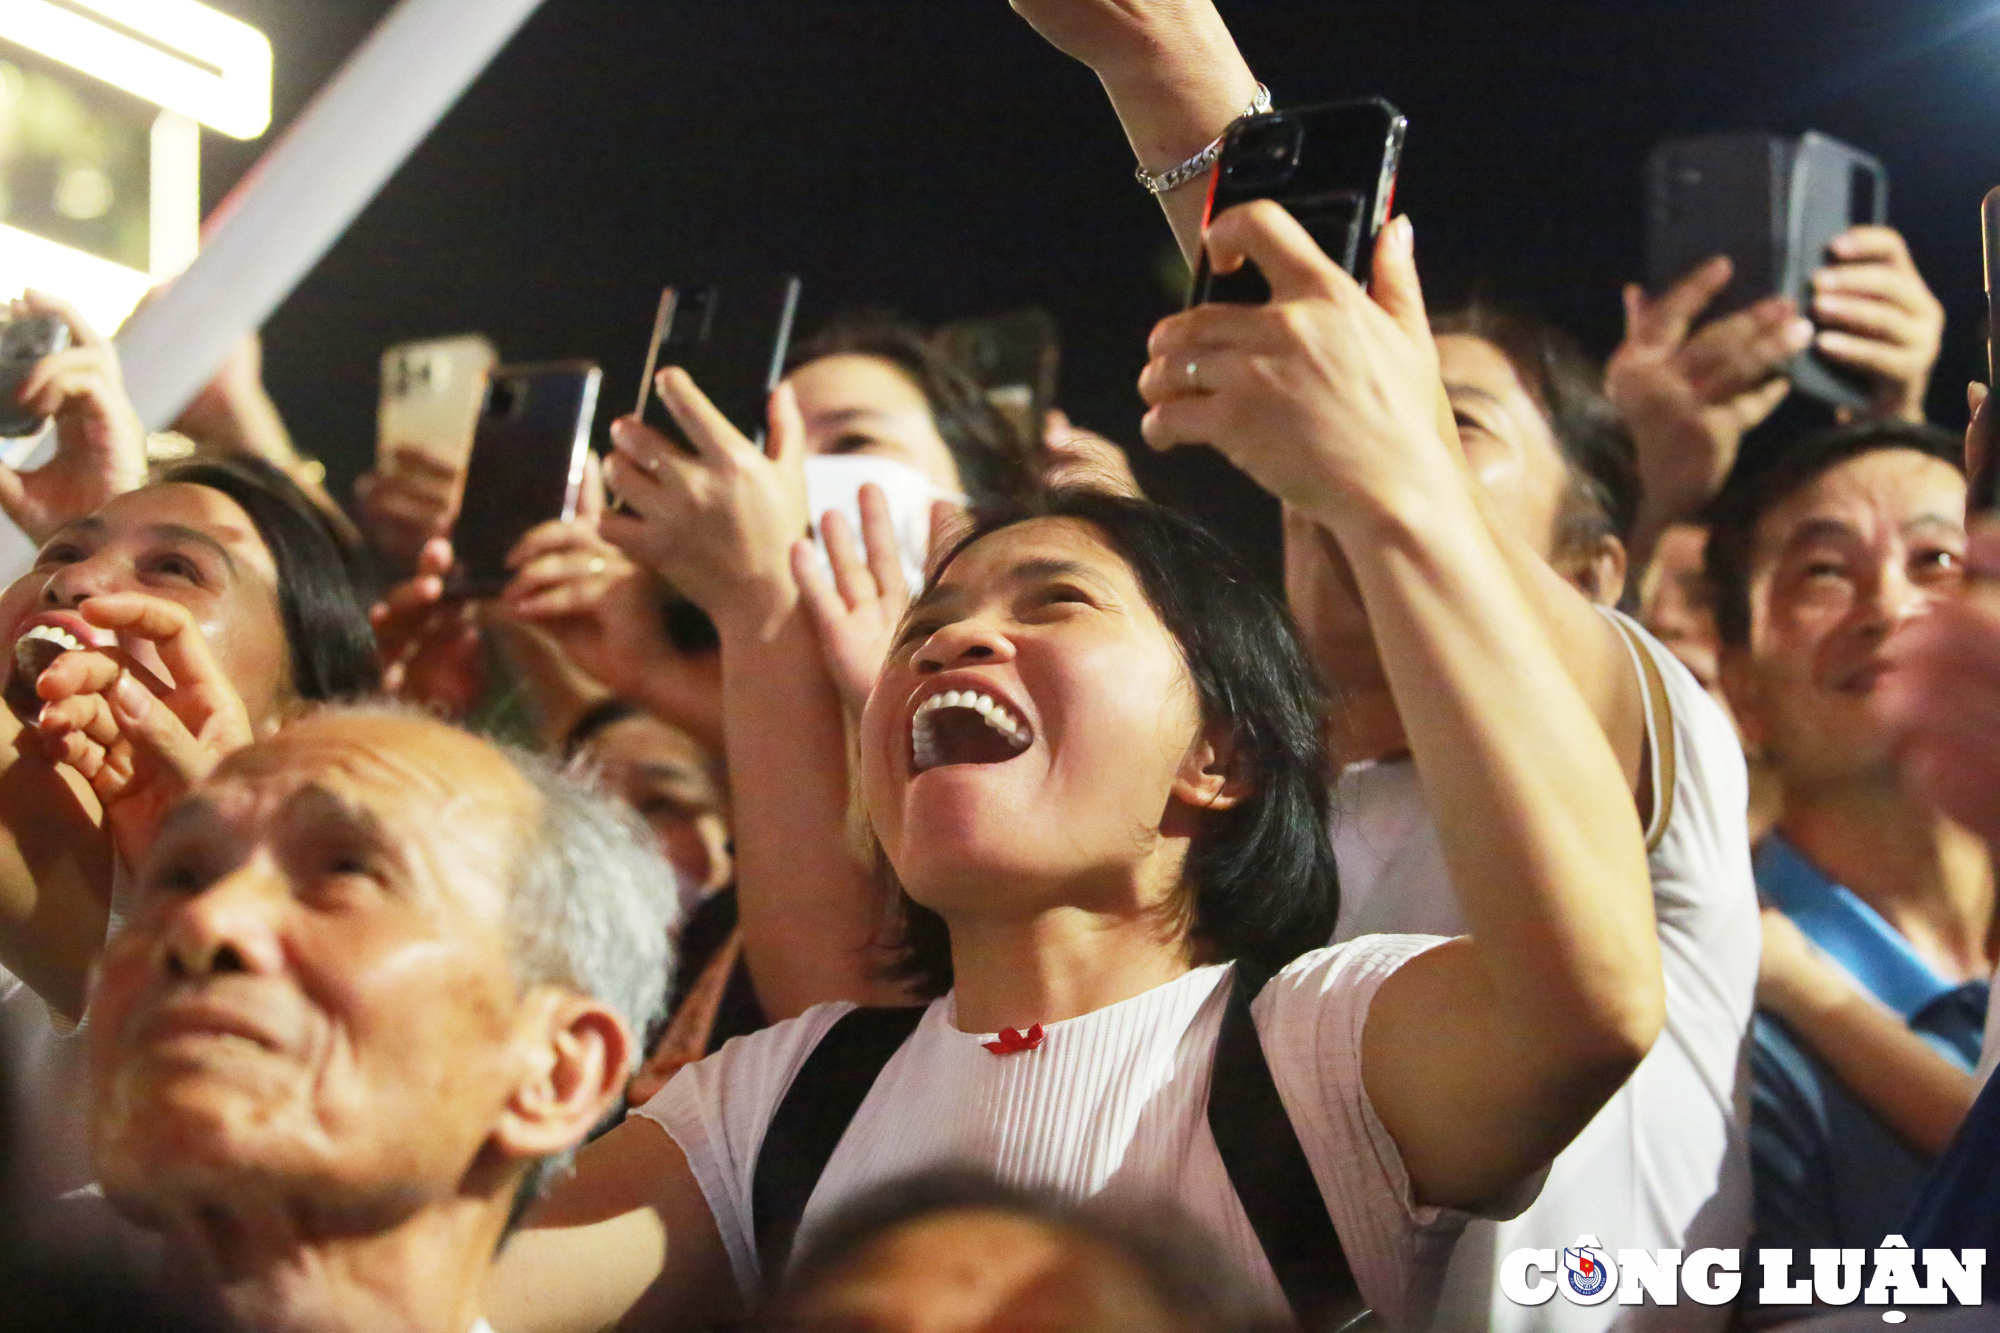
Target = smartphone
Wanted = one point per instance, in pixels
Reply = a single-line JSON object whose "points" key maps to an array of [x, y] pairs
{"points": [[1984, 496], [432, 393], [525, 468], [1834, 186], [1333, 167], [1013, 358], [731, 338], [23, 342], [1772, 204]]}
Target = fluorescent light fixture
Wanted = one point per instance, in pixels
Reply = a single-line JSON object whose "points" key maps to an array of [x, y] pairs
{"points": [[179, 54], [103, 291]]}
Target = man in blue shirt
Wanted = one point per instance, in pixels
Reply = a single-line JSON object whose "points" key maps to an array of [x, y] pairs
{"points": [[1816, 559]]}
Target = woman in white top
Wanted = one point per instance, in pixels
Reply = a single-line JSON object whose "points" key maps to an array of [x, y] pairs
{"points": [[1118, 711]]}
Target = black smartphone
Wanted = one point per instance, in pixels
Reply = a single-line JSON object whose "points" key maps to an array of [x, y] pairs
{"points": [[1984, 496], [731, 338], [23, 342], [1012, 357], [1333, 167], [526, 467], [1773, 205]]}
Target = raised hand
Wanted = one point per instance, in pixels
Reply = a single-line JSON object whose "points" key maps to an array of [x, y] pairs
{"points": [[139, 742], [431, 646], [1329, 398], [856, 608], [718, 525], [100, 442], [603, 610], [412, 501], [1689, 400], [1877, 316]]}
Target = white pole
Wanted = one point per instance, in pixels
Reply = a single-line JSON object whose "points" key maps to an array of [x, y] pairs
{"points": [[305, 191]]}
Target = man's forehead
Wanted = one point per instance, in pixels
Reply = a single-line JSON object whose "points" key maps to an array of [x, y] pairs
{"points": [[400, 769], [1887, 489]]}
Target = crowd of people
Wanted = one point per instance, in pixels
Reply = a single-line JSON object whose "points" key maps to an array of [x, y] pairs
{"points": [[895, 876]]}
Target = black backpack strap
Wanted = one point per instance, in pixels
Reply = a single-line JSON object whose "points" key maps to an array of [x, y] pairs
{"points": [[1269, 1171], [806, 1128]]}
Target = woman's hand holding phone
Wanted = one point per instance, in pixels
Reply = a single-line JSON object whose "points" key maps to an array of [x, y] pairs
{"points": [[411, 502], [1328, 396], [718, 525], [100, 441]]}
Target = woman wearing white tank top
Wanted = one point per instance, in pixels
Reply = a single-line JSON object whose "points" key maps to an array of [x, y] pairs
{"points": [[1090, 765]]}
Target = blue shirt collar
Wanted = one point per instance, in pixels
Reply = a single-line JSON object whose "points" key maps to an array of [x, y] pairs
{"points": [[1847, 930]]}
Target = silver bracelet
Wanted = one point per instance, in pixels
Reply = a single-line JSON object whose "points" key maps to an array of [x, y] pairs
{"points": [[1175, 177]]}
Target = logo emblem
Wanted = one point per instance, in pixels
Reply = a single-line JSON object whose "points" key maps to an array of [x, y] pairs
{"points": [[1588, 1274]]}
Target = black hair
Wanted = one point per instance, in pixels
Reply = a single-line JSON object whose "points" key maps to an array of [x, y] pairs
{"points": [[1752, 492], [332, 646], [992, 457], [1168, 1251], [597, 719], [1262, 872], [1603, 498]]}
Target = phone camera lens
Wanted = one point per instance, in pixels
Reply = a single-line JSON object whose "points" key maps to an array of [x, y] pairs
{"points": [[503, 399]]}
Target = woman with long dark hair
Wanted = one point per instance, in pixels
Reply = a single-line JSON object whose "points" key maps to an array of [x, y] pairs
{"points": [[150, 637]]}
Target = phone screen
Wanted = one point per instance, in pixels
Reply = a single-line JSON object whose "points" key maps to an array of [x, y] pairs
{"points": [[731, 338], [1333, 167], [526, 467]]}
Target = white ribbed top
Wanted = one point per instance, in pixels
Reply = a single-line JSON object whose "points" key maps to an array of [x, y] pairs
{"points": [[1112, 1103]]}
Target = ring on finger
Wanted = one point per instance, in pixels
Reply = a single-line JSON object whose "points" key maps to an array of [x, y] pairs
{"points": [[1192, 373], [597, 565]]}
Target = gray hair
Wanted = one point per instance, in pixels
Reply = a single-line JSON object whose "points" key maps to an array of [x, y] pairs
{"points": [[589, 907]]}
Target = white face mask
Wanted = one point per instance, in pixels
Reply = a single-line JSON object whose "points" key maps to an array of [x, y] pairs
{"points": [[834, 482]]}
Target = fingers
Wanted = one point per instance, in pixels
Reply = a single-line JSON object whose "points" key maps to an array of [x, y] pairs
{"points": [[418, 465], [785, 436], [1666, 320], [1167, 378], [1264, 233], [822, 600], [885, 552], [81, 373], [590, 502], [850, 572], [551, 538], [1178, 421], [1879, 360], [80, 332], [1394, 284], [1865, 244], [644, 469], [168, 626], [1883, 321], [714, 439], [1741, 352], [1179, 338]]}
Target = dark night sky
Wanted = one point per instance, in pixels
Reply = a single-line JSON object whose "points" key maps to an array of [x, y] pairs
{"points": [[934, 156]]}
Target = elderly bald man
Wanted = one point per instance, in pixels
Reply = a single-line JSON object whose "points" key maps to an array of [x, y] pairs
{"points": [[381, 980]]}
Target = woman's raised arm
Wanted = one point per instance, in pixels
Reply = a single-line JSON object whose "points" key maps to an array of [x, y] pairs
{"points": [[1484, 1057]]}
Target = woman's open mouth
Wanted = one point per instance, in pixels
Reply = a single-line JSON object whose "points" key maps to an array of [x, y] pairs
{"points": [[37, 648], [964, 727]]}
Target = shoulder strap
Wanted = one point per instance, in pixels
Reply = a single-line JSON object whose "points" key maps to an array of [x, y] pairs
{"points": [[1660, 747], [827, 1091], [1268, 1168]]}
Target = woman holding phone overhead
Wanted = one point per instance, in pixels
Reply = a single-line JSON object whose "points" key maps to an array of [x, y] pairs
{"points": [[1092, 765]]}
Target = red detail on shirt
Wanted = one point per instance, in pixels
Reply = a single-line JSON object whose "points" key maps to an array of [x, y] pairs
{"points": [[1013, 1042]]}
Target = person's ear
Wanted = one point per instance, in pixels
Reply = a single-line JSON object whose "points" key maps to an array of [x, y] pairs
{"points": [[1210, 776], [575, 1054], [1598, 570], [1739, 687]]}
